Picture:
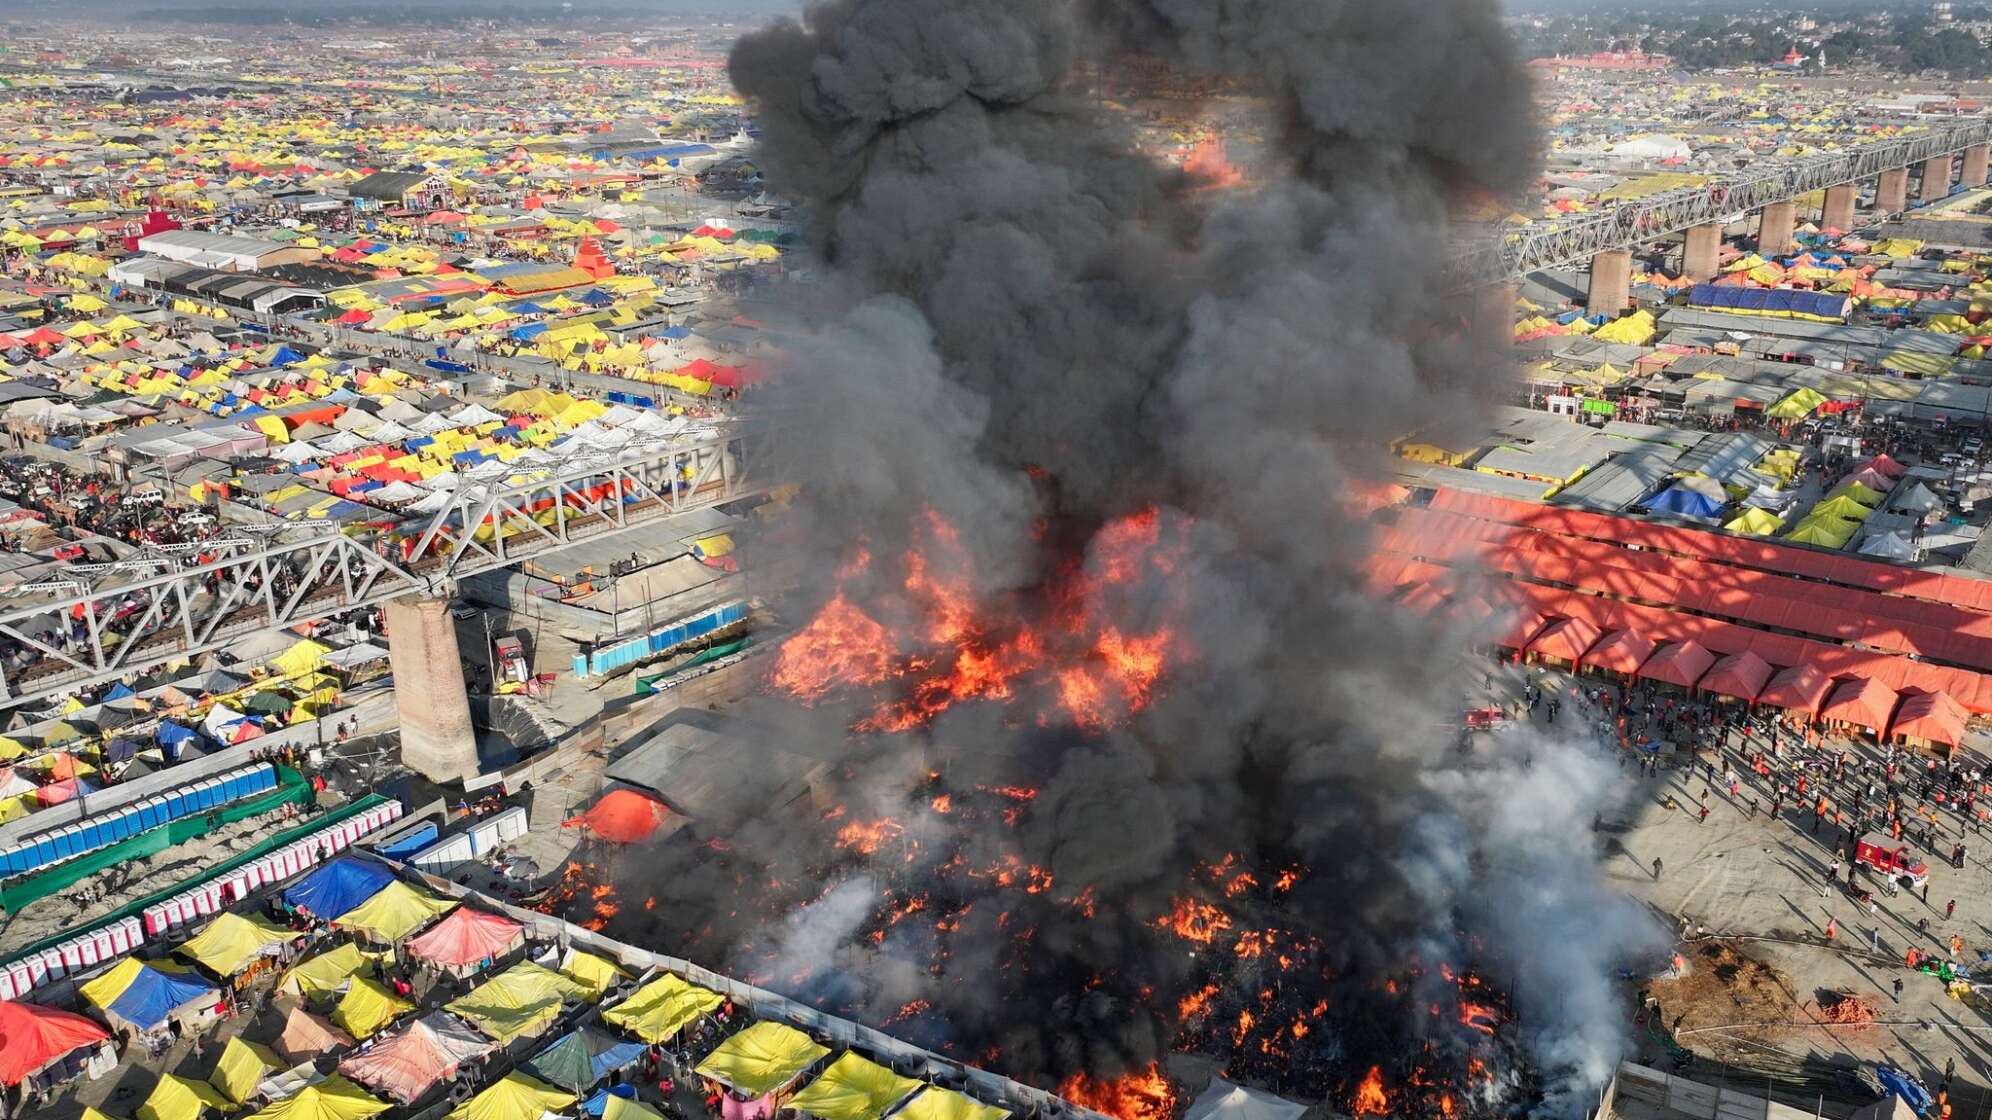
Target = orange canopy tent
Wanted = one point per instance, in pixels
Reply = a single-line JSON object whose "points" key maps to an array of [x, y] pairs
{"points": [[1565, 639], [1861, 701], [1681, 663], [1742, 675], [1621, 651], [1931, 716], [33, 1038], [622, 816], [1517, 636], [1799, 689]]}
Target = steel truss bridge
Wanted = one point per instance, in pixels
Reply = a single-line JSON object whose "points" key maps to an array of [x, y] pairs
{"points": [[165, 605], [1512, 254]]}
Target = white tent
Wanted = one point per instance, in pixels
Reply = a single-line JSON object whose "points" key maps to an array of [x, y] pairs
{"points": [[1225, 1101], [1888, 546]]}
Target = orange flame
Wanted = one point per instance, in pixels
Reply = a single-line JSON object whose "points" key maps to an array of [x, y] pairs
{"points": [[1142, 1095], [1371, 1099], [1196, 1003], [841, 646], [1479, 1016], [1195, 921], [867, 837]]}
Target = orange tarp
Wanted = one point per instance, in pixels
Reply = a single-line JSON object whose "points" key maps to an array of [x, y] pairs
{"points": [[623, 816], [1621, 651], [1742, 675], [1801, 689], [1931, 716], [1861, 701], [1681, 663], [1566, 638]]}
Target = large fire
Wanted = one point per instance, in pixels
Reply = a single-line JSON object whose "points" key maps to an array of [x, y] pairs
{"points": [[1142, 1095], [1371, 1098]]}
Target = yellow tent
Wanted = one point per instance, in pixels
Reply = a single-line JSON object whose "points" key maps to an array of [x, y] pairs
{"points": [[334, 1098], [231, 942], [591, 972], [366, 1008], [1755, 523], [1798, 404], [660, 1009], [517, 1097], [517, 1002], [1860, 493], [946, 1104], [326, 972], [394, 912], [302, 657], [623, 1108], [853, 1088], [1841, 508], [1636, 329], [761, 1059], [241, 1067], [182, 1098]]}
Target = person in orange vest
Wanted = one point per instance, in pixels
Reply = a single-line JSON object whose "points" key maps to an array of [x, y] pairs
{"points": [[1832, 928], [1957, 944], [1910, 960]]}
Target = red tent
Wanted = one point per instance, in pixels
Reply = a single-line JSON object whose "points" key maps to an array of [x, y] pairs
{"points": [[1742, 675], [1526, 624], [1681, 663], [1861, 701], [466, 937], [1930, 716], [1621, 651], [1565, 639], [33, 1038], [623, 816], [1801, 689]]}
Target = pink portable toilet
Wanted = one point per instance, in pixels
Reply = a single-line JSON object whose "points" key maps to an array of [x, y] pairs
{"points": [[86, 948], [134, 933], [37, 971], [120, 938], [52, 964], [155, 918]]}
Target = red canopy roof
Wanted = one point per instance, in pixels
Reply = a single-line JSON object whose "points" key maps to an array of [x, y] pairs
{"points": [[1681, 663], [1517, 636], [1800, 689], [1621, 651], [466, 937], [1931, 716], [623, 816], [1861, 701], [1742, 675], [1566, 638], [32, 1038]]}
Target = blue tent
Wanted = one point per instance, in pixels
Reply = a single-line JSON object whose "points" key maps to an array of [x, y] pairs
{"points": [[153, 995], [1774, 301], [675, 333], [600, 1100], [1906, 1086], [285, 356], [338, 887], [1686, 502], [171, 735], [119, 691]]}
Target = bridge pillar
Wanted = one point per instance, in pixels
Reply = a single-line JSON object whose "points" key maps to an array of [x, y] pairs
{"points": [[1494, 314], [1774, 228], [1701, 254], [1891, 194], [1611, 282], [429, 698], [1936, 179], [1838, 211], [1975, 159]]}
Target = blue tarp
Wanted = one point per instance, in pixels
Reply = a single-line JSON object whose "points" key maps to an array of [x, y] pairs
{"points": [[338, 887], [1905, 1086], [1725, 298], [153, 995], [1687, 502], [595, 1104], [410, 844], [119, 691]]}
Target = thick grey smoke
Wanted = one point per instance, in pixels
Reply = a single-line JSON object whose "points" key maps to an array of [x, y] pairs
{"points": [[1033, 329]]}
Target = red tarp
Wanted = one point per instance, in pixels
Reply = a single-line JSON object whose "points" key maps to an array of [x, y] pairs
{"points": [[466, 937], [1681, 663], [1931, 716], [32, 1038], [1621, 651], [1800, 689], [1861, 701], [623, 816], [1742, 675], [1566, 638]]}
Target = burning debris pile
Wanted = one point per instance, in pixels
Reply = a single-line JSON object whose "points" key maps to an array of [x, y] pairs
{"points": [[1131, 759]]}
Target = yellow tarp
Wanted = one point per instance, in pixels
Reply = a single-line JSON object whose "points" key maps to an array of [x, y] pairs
{"points": [[395, 912], [231, 942], [1842, 508], [761, 1059], [1636, 329], [182, 1098], [517, 1097], [326, 972], [591, 972], [241, 1067], [946, 1104], [519, 1001], [302, 657], [334, 1098], [853, 1088], [1756, 523], [623, 1108], [1864, 495], [366, 1008], [1799, 404], [660, 1009]]}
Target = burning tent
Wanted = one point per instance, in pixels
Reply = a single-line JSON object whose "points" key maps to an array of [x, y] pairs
{"points": [[622, 816], [35, 1038], [660, 1009]]}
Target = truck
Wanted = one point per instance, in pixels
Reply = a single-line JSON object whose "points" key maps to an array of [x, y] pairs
{"points": [[510, 659], [1891, 858]]}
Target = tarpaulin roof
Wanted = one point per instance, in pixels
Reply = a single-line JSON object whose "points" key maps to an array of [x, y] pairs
{"points": [[466, 937], [615, 1107], [937, 1103], [517, 1097], [582, 1057], [1680, 663], [518, 1001], [1566, 638], [306, 1036], [327, 972], [409, 1062], [1682, 500], [338, 886], [334, 1098], [1225, 1101], [182, 1098], [1621, 651], [394, 912], [231, 942], [145, 995], [660, 1009], [1801, 688], [33, 1037], [366, 1007], [590, 971], [853, 1088], [241, 1067], [623, 816], [1931, 716], [761, 1059], [1742, 675], [1862, 701]]}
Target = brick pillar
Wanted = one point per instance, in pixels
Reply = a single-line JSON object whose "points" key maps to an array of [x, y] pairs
{"points": [[1975, 157], [1611, 282], [1494, 314], [436, 738], [1891, 195], [1838, 211], [1700, 254], [1774, 228], [1936, 179]]}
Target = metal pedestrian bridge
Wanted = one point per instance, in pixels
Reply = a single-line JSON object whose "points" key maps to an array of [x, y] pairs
{"points": [[166, 604]]}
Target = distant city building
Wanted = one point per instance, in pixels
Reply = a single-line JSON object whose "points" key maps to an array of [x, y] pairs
{"points": [[1607, 60], [407, 190]]}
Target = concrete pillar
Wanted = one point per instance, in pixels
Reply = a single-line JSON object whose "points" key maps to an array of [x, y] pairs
{"points": [[436, 738], [1494, 314], [1774, 227], [1936, 179], [1701, 252], [1891, 195], [1838, 212], [1975, 158], [1611, 282]]}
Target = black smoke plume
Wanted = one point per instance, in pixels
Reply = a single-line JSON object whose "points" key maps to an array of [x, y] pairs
{"points": [[1034, 328]]}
